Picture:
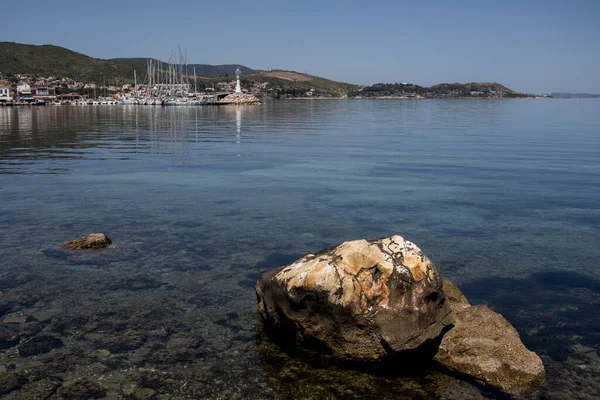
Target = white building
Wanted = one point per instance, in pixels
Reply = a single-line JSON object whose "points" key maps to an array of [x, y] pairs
{"points": [[23, 87], [5, 92]]}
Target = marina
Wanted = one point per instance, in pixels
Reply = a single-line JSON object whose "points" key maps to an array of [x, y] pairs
{"points": [[165, 84]]}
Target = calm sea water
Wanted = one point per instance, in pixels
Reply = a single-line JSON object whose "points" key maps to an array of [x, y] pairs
{"points": [[503, 195]]}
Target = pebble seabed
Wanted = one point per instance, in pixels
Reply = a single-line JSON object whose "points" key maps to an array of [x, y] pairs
{"points": [[138, 338]]}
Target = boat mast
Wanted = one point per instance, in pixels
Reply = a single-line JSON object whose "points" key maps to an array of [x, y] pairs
{"points": [[195, 87]]}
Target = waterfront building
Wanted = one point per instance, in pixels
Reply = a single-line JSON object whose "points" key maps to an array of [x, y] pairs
{"points": [[44, 92], [24, 93], [69, 97], [5, 92], [23, 87]]}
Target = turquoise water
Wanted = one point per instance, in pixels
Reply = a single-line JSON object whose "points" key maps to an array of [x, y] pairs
{"points": [[503, 195]]}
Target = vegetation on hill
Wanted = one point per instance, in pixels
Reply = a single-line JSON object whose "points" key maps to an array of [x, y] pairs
{"points": [[284, 84], [473, 89], [204, 70], [48, 60], [280, 84]]}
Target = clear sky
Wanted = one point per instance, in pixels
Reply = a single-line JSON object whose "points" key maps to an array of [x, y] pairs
{"points": [[532, 46]]}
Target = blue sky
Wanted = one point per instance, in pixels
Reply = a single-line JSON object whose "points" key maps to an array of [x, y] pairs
{"points": [[533, 46]]}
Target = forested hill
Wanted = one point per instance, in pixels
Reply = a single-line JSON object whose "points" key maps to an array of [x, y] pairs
{"points": [[49, 60], [443, 90], [206, 70]]}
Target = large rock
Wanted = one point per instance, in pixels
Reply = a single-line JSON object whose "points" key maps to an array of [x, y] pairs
{"points": [[485, 346], [456, 299], [93, 241], [360, 300]]}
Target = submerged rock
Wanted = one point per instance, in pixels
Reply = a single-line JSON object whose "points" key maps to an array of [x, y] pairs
{"points": [[365, 300], [39, 345], [8, 383], [82, 389], [361, 300], [485, 346], [93, 241]]}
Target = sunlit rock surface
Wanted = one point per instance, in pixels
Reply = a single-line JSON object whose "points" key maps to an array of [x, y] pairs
{"points": [[360, 300], [485, 346], [93, 241]]}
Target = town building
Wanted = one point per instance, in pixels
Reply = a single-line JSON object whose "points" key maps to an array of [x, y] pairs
{"points": [[24, 93], [69, 97], [23, 87], [5, 96], [44, 92]]}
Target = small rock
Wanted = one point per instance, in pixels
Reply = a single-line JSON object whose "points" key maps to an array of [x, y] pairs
{"points": [[15, 319], [42, 389], [8, 383], [83, 389], [15, 300], [39, 345], [103, 353], [121, 342], [9, 336], [181, 346], [485, 346], [93, 241], [143, 394]]}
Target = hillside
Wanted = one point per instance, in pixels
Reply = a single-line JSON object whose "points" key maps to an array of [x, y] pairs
{"points": [[206, 70], [281, 84], [295, 84], [49, 60], [443, 90]]}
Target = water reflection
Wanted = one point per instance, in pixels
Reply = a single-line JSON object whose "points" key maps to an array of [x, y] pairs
{"points": [[38, 135], [238, 123]]}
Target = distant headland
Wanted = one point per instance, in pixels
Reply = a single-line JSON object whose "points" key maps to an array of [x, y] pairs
{"points": [[68, 72]]}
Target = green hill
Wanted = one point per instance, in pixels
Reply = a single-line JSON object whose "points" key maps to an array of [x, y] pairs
{"points": [[48, 60], [204, 70], [443, 90], [282, 84]]}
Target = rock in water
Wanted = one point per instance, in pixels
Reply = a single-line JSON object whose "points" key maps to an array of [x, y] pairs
{"points": [[485, 346], [456, 299], [93, 241], [361, 300]]}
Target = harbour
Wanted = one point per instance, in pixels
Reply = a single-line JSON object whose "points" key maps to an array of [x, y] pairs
{"points": [[166, 84]]}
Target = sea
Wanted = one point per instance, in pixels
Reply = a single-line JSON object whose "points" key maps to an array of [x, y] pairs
{"points": [[502, 194]]}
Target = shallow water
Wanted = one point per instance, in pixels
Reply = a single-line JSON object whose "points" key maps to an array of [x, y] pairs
{"points": [[503, 195]]}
